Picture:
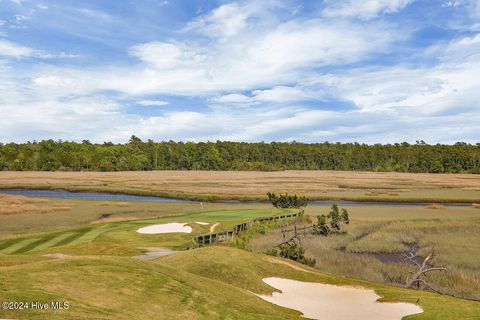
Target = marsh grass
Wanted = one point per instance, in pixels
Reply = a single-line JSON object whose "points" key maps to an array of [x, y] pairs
{"points": [[253, 185], [436, 206], [115, 204], [453, 232], [13, 204]]}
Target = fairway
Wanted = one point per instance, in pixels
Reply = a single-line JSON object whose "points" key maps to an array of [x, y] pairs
{"points": [[243, 185], [126, 232]]}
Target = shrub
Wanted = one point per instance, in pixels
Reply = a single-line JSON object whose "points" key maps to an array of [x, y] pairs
{"points": [[287, 201], [292, 251], [331, 222]]}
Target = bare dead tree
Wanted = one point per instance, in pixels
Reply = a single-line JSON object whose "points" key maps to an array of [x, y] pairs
{"points": [[422, 271], [290, 241]]}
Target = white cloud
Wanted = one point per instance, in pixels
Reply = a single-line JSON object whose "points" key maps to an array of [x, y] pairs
{"points": [[451, 87], [152, 103], [364, 9], [21, 18], [454, 3], [11, 49], [277, 94], [232, 98], [55, 119], [163, 55], [227, 20], [284, 94]]}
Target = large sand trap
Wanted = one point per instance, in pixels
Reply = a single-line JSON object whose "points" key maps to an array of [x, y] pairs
{"points": [[329, 302], [168, 228]]}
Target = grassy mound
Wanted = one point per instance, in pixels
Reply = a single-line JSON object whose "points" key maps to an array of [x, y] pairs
{"points": [[213, 282]]}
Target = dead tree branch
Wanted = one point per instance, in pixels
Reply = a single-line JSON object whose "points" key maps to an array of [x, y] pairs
{"points": [[423, 269]]}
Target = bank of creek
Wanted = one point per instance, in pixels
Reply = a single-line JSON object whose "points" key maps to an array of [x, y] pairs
{"points": [[60, 194]]}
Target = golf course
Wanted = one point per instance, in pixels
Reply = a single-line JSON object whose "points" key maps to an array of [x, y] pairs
{"points": [[111, 259]]}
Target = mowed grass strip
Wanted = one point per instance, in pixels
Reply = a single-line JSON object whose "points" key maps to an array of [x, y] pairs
{"points": [[73, 237], [24, 245], [93, 233], [52, 242], [30, 246], [18, 245], [7, 243]]}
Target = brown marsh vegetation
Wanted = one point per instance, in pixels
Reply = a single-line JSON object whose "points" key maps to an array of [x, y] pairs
{"points": [[250, 185], [13, 204]]}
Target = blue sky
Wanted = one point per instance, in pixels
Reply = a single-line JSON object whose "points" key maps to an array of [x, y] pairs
{"points": [[373, 71]]}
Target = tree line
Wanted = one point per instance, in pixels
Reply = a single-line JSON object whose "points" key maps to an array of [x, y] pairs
{"points": [[50, 155]]}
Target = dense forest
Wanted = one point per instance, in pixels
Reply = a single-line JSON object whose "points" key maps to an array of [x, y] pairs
{"points": [[51, 155]]}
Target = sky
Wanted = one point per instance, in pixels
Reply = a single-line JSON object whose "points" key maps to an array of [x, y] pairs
{"points": [[370, 71]]}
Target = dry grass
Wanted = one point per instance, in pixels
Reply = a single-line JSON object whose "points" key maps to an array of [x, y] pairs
{"points": [[436, 206], [114, 204], [14, 199], [12, 204], [347, 185], [113, 219]]}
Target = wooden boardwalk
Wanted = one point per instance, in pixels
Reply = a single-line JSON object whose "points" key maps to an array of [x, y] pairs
{"points": [[227, 235]]}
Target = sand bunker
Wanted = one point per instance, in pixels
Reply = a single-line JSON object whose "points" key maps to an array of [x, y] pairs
{"points": [[329, 302], [168, 228]]}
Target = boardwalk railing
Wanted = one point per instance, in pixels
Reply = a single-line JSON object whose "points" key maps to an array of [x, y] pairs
{"points": [[226, 235]]}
